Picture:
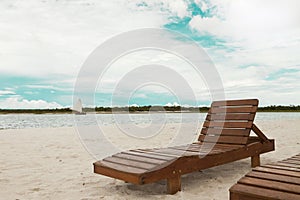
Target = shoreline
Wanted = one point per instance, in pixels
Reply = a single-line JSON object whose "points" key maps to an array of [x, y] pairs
{"points": [[24, 121], [136, 112]]}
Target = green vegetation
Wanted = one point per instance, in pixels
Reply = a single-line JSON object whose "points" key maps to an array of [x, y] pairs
{"points": [[273, 108], [137, 109], [151, 108], [36, 111]]}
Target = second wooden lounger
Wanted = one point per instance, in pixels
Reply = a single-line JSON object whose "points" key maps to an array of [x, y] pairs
{"points": [[228, 125], [276, 181]]}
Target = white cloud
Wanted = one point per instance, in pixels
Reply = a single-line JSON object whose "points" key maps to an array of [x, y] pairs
{"points": [[256, 24], [19, 103], [6, 92], [204, 7], [139, 95], [39, 38], [49, 87], [178, 8], [172, 104], [264, 38], [210, 25], [124, 66]]}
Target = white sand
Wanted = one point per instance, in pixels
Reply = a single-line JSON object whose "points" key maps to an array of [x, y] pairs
{"points": [[53, 164]]}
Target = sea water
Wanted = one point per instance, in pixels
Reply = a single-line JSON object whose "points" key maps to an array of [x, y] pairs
{"points": [[20, 121]]}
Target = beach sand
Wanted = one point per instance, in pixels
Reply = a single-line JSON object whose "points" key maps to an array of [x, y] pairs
{"points": [[52, 163]]}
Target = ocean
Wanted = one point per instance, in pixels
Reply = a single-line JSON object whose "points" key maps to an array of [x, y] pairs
{"points": [[20, 121]]}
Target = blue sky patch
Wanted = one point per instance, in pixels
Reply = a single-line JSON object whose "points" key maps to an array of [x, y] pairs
{"points": [[281, 73]]}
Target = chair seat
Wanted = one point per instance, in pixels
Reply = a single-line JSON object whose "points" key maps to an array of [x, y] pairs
{"points": [[275, 181], [144, 163]]}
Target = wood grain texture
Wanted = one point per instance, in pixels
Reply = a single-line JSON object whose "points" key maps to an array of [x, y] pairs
{"points": [[233, 110], [271, 181], [228, 132], [173, 184], [255, 161], [243, 102], [245, 192], [228, 124], [224, 139], [229, 118]]}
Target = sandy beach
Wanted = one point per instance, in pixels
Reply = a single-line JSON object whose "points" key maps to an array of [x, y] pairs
{"points": [[52, 163]]}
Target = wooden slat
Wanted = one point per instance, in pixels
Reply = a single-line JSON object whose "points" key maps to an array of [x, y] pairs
{"points": [[282, 167], [197, 150], [224, 139], [296, 156], [230, 116], [277, 171], [286, 165], [234, 196], [274, 177], [119, 167], [216, 148], [241, 102], [233, 110], [228, 132], [228, 145], [227, 124], [131, 163], [295, 159], [261, 193], [150, 152], [169, 151], [289, 161], [274, 185], [162, 154], [139, 158], [146, 155]]}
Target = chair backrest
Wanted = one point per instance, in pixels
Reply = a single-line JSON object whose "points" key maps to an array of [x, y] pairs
{"points": [[229, 122]]}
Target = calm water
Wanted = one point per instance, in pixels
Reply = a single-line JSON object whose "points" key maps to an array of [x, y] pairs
{"points": [[17, 121]]}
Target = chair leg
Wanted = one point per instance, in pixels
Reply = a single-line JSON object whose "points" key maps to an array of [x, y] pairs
{"points": [[255, 161], [173, 184]]}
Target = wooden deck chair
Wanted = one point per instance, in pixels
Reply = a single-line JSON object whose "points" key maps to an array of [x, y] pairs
{"points": [[274, 181], [228, 125]]}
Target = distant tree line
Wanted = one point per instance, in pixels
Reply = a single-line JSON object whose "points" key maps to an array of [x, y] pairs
{"points": [[274, 108], [152, 108], [36, 111], [133, 109]]}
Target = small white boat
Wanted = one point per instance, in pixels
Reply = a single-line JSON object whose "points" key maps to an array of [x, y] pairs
{"points": [[77, 108]]}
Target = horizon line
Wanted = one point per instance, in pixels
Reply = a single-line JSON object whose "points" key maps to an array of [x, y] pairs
{"points": [[137, 106]]}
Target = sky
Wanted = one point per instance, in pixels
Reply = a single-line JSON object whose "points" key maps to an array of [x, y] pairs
{"points": [[254, 46]]}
